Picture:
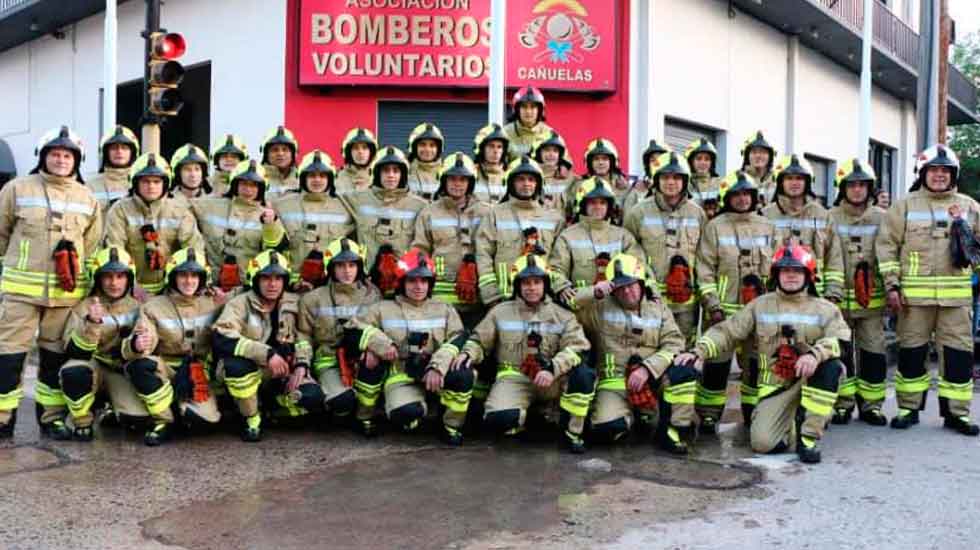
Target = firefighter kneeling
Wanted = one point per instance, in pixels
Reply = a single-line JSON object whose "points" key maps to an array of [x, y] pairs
{"points": [[410, 343], [538, 347], [798, 339], [256, 341], [636, 339]]}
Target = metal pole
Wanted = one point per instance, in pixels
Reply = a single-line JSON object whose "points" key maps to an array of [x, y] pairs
{"points": [[110, 68], [498, 30], [943, 91], [151, 124], [864, 126], [927, 111]]}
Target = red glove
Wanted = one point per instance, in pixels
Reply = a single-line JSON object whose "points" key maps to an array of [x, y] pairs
{"points": [[466, 280]]}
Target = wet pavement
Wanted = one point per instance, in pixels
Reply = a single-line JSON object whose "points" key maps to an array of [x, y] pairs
{"points": [[306, 490]]}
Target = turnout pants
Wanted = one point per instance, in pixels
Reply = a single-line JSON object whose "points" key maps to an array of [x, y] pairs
{"points": [[785, 413], [244, 379], [83, 381], [21, 325], [952, 327], [865, 365], [405, 403], [151, 377], [513, 394], [612, 413]]}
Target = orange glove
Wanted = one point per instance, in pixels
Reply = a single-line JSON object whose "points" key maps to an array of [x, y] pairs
{"points": [[678, 281], [228, 277], [601, 261], [154, 259], [751, 288], [466, 280], [384, 274], [66, 265], [644, 399], [784, 365], [199, 379], [532, 244], [312, 269], [864, 284]]}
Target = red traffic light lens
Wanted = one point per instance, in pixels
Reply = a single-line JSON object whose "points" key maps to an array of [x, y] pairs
{"points": [[170, 46]]}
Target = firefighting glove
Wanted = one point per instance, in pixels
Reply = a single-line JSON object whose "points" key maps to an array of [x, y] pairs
{"points": [[751, 288], [312, 269], [151, 240], [678, 281], [864, 283], [964, 246], [417, 358], [466, 280], [644, 399], [228, 277], [384, 272], [66, 265]]}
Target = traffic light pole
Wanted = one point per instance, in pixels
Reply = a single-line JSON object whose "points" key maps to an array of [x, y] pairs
{"points": [[150, 138]]}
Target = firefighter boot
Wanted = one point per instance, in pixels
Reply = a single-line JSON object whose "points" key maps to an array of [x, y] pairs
{"points": [[904, 419]]}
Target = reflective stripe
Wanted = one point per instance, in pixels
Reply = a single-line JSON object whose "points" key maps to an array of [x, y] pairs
{"points": [[124, 320], [452, 222], [672, 223], [524, 224], [417, 325], [926, 215], [554, 188], [193, 322], [386, 212], [857, 230], [56, 205], [233, 223], [315, 217], [609, 248], [797, 223], [790, 319], [163, 223], [338, 311], [109, 196], [620, 317], [523, 327], [759, 242]]}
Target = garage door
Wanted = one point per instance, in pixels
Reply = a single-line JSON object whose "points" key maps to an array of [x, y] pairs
{"points": [[459, 122], [679, 135]]}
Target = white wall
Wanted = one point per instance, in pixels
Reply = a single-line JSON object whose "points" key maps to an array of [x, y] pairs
{"points": [[740, 87], [48, 82]]}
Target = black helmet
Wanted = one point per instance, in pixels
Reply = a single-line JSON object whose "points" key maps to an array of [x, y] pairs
{"points": [[345, 250], [247, 170], [793, 165], [554, 140], [359, 135], [594, 188], [268, 263], [317, 162], [653, 150], [852, 171], [123, 136], [528, 266], [735, 182], [185, 261], [113, 260], [702, 145], [279, 136], [672, 163], [456, 164], [389, 155], [490, 132], [524, 165], [757, 140], [61, 138]]}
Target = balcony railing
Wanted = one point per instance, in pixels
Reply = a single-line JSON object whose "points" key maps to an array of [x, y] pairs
{"points": [[963, 90], [8, 5], [890, 32]]}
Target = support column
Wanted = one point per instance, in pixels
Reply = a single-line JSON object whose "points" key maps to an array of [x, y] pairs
{"points": [[646, 120]]}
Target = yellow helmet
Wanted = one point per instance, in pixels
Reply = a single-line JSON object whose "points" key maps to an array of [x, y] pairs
{"points": [[280, 135], [64, 138], [457, 164], [736, 181], [187, 260], [851, 171], [593, 188], [112, 260], [702, 145], [527, 266], [190, 154], [248, 170], [317, 161], [652, 154], [358, 135], [389, 155], [345, 250], [602, 146], [625, 269], [269, 263], [229, 144], [672, 163], [426, 130], [150, 164], [123, 136], [490, 132], [554, 140]]}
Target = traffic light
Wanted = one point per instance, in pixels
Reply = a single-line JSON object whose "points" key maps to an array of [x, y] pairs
{"points": [[164, 73]]}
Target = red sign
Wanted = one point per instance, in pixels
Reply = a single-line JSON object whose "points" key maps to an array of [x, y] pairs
{"points": [[552, 44]]}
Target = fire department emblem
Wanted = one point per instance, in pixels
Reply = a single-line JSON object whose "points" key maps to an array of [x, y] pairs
{"points": [[560, 31]]}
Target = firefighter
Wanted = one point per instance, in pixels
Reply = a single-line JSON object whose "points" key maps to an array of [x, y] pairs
{"points": [[490, 147], [857, 220], [410, 343], [118, 151], [258, 346], [239, 225], [49, 224], [149, 225], [668, 227], [190, 182], [582, 251], [702, 157], [527, 124], [168, 353], [798, 215], [384, 217], [641, 186], [325, 320], [280, 152], [93, 342], [516, 226], [556, 166], [733, 262], [635, 341], [226, 155], [425, 148], [538, 347], [930, 294], [446, 230], [602, 162], [359, 148], [313, 218], [797, 335], [758, 157]]}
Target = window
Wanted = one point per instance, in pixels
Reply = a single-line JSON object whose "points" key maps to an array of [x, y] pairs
{"points": [[679, 134], [459, 122], [823, 181], [882, 159]]}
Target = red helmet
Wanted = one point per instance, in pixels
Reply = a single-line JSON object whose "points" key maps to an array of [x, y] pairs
{"points": [[416, 263], [528, 94], [794, 255]]}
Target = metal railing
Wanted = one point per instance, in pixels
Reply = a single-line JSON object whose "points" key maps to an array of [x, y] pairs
{"points": [[962, 89], [890, 32], [8, 5]]}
